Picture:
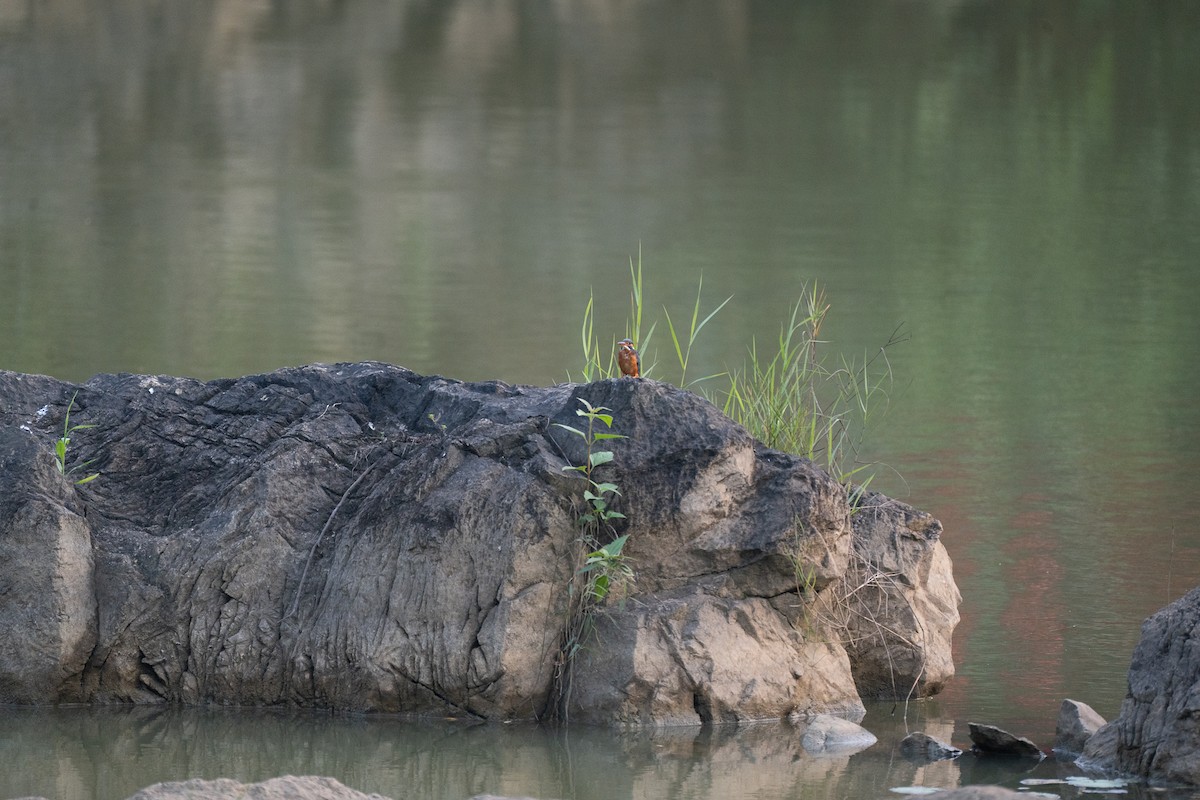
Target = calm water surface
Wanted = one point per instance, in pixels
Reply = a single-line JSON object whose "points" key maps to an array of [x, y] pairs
{"points": [[226, 188]]}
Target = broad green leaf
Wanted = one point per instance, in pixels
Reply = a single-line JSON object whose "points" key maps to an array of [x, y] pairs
{"points": [[575, 431], [600, 457], [613, 548]]}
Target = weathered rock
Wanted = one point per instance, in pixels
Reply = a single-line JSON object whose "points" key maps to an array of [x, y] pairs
{"points": [[829, 734], [1156, 735], [684, 657], [1077, 722], [991, 740], [922, 747], [903, 602], [286, 787], [361, 537], [47, 591]]}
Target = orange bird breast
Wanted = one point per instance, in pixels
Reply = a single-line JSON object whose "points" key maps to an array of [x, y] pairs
{"points": [[627, 359]]}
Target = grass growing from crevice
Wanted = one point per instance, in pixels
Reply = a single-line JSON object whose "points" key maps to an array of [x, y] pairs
{"points": [[64, 442]]}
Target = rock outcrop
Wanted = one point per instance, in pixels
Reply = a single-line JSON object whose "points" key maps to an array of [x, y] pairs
{"points": [[1156, 735], [361, 537]]}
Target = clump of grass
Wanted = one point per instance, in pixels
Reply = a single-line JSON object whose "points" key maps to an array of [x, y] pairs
{"points": [[793, 396], [798, 400], [64, 442], [595, 366]]}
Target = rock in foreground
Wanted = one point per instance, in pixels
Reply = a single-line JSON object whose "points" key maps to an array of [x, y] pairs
{"points": [[977, 793], [286, 787], [360, 537], [1157, 733]]}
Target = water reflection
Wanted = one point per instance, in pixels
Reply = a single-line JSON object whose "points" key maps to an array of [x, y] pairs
{"points": [[82, 754], [105, 754]]}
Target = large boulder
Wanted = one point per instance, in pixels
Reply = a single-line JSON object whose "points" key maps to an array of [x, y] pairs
{"points": [[361, 537], [1156, 735]]}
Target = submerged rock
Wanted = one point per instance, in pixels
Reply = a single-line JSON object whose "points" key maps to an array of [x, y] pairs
{"points": [[1156, 735], [360, 537], [922, 747], [1077, 722], [991, 740], [286, 787], [829, 734], [977, 793]]}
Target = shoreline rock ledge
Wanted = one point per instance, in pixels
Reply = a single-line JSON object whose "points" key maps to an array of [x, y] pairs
{"points": [[360, 537]]}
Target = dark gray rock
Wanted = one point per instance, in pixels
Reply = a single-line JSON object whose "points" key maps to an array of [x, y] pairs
{"points": [[361, 537], [990, 740], [48, 615], [286, 787], [922, 747], [1077, 722], [1156, 735]]}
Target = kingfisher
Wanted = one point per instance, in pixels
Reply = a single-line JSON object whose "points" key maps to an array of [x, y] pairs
{"points": [[628, 360]]}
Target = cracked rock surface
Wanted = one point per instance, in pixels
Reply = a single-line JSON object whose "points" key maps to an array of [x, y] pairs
{"points": [[360, 537]]}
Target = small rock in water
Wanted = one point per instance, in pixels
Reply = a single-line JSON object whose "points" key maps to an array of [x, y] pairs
{"points": [[990, 740], [924, 747], [830, 734], [1076, 724]]}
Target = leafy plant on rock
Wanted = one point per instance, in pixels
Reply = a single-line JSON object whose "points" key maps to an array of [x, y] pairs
{"points": [[602, 570]]}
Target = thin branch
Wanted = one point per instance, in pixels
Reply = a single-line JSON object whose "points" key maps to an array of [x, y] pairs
{"points": [[312, 550]]}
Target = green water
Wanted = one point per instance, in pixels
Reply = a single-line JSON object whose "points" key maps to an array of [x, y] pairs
{"points": [[226, 188]]}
